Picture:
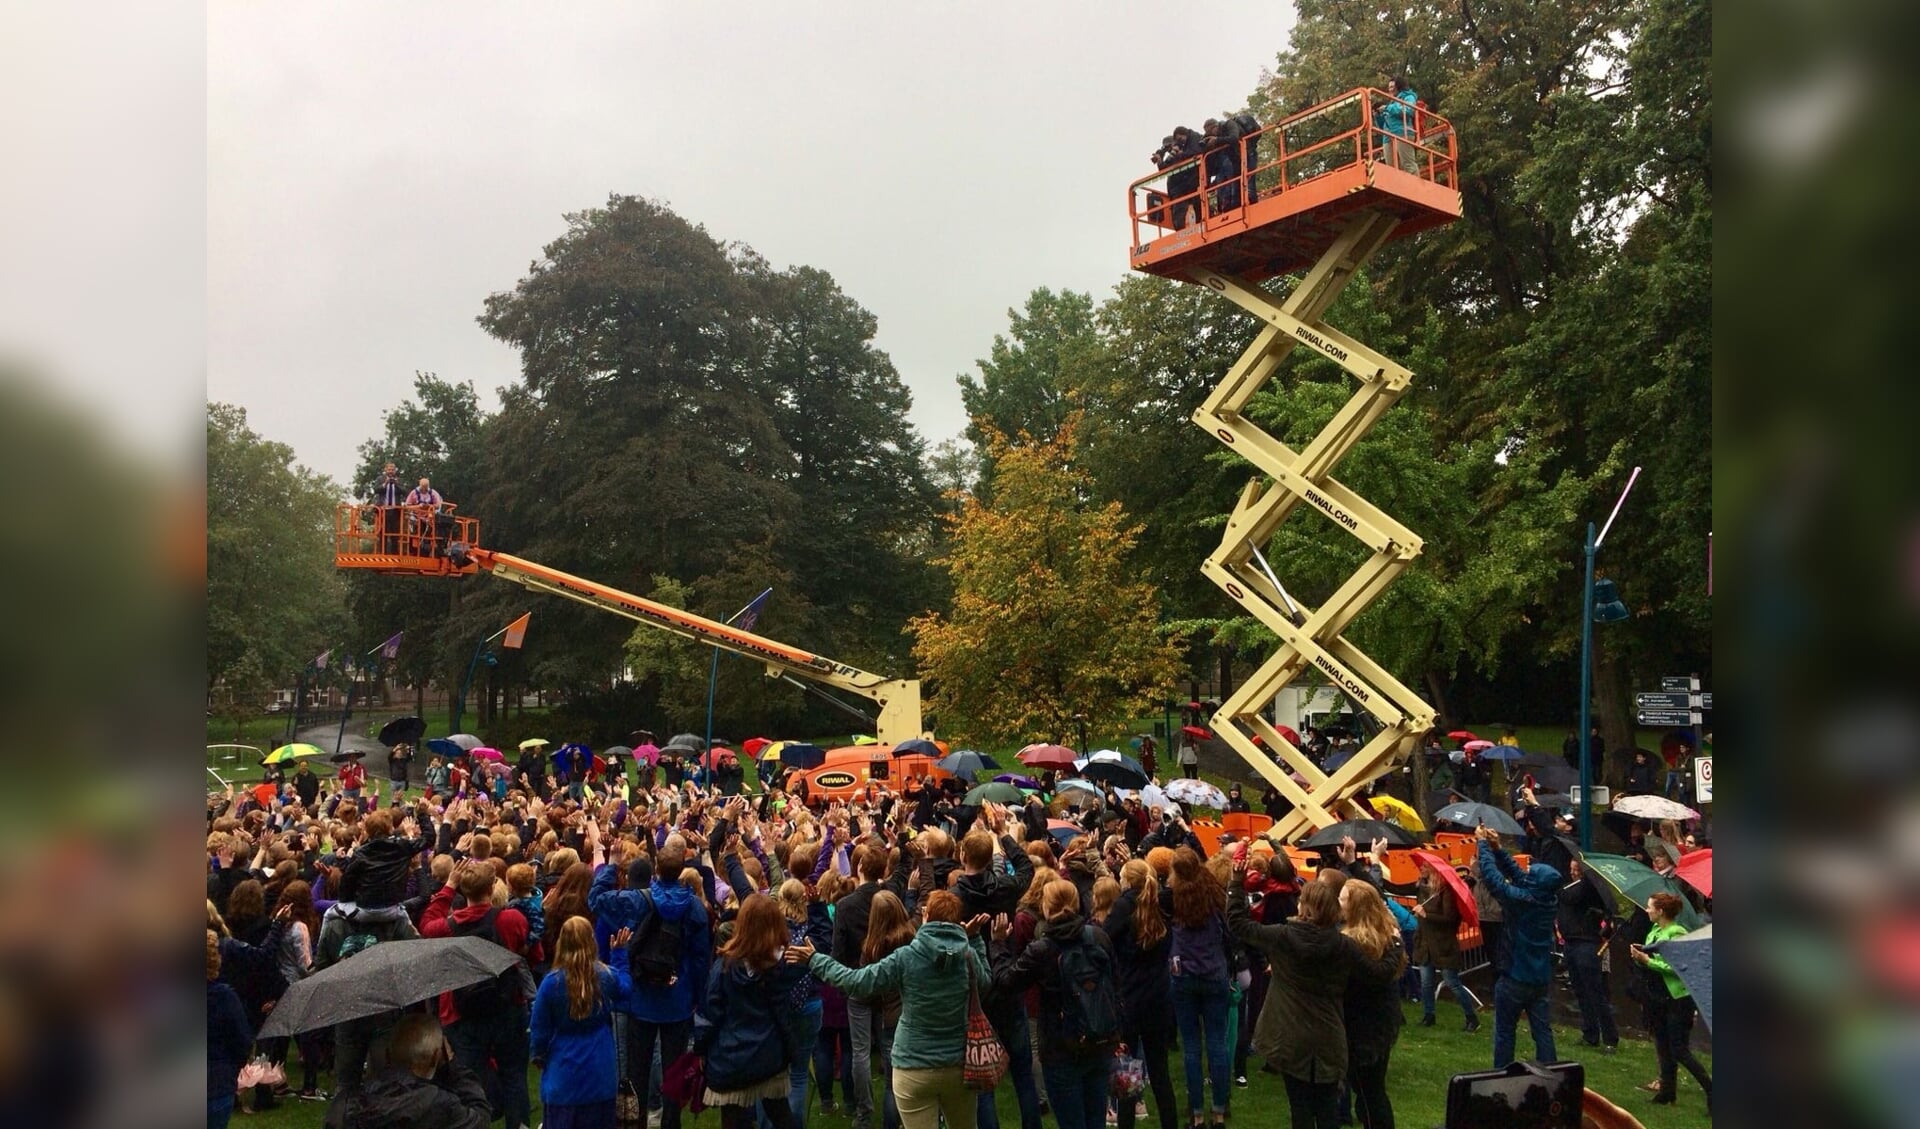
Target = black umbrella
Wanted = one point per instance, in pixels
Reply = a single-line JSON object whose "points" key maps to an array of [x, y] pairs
{"points": [[403, 731], [618, 751], [1117, 773], [965, 763], [799, 754], [388, 975], [1364, 832], [1477, 815], [346, 755], [684, 743], [917, 746]]}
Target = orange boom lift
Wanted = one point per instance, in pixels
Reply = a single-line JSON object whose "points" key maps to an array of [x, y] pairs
{"points": [[1321, 192], [441, 544]]}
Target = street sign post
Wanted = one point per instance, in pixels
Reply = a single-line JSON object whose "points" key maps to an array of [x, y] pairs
{"points": [[1703, 780]]}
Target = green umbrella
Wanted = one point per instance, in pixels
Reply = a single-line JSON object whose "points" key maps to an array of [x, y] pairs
{"points": [[286, 753], [1633, 883], [995, 792]]}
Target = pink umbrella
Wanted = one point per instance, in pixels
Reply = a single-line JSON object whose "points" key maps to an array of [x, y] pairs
{"points": [[647, 754], [485, 753], [1046, 756], [1476, 746]]}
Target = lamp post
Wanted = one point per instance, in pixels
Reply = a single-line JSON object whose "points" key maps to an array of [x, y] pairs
{"points": [[1588, 614]]}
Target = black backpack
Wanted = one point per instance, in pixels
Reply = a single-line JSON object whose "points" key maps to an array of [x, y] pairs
{"points": [[1089, 997], [494, 995], [653, 954]]}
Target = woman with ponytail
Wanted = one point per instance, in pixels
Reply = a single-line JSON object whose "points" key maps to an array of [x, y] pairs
{"points": [[1138, 928], [572, 1036]]}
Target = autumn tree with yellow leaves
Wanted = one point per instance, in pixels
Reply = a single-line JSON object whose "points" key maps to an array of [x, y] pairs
{"points": [[1048, 619]]}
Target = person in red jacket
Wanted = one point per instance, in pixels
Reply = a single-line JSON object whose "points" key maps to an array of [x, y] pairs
{"points": [[487, 1025], [353, 777]]}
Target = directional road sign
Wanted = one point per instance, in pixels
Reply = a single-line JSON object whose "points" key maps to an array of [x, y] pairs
{"points": [[1679, 684], [1678, 701], [1670, 718]]}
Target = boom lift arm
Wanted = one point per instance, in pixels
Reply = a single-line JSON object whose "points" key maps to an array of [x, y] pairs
{"points": [[450, 549]]}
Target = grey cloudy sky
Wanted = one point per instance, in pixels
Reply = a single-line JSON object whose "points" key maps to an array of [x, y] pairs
{"points": [[375, 170]]}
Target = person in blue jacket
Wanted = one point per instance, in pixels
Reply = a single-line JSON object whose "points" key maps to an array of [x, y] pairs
{"points": [[1395, 118], [660, 1010], [743, 1031], [572, 1029], [1531, 899]]}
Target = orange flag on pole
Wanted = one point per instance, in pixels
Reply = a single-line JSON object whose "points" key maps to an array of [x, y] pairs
{"points": [[517, 632]]}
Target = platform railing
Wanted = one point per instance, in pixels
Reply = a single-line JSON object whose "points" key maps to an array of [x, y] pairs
{"points": [[1284, 155], [364, 530]]}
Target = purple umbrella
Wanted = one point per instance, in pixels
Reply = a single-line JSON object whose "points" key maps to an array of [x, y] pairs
{"points": [[1018, 781]]}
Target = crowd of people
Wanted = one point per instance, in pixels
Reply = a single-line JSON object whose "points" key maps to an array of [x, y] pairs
{"points": [[681, 946]]}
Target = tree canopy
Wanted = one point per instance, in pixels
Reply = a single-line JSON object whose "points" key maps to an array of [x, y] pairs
{"points": [[1049, 618]]}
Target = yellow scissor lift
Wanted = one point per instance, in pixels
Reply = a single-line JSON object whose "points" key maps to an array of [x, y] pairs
{"points": [[1325, 190]]}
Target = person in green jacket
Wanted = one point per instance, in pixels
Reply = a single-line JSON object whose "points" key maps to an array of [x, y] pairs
{"points": [[933, 975], [1672, 1004]]}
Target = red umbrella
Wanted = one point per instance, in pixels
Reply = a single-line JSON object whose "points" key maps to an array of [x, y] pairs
{"points": [[752, 745], [1047, 756], [1696, 870], [1196, 732], [1469, 912], [1462, 735], [1288, 732]]}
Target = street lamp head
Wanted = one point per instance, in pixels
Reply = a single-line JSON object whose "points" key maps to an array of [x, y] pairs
{"points": [[1607, 607]]}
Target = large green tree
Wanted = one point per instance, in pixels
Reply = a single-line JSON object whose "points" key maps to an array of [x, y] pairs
{"points": [[273, 599], [438, 434]]}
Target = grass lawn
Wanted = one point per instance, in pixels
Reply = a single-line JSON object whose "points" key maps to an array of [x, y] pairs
{"points": [[1422, 1062]]}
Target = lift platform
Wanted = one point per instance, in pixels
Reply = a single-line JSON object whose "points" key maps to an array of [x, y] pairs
{"points": [[418, 541], [1324, 190], [1309, 173]]}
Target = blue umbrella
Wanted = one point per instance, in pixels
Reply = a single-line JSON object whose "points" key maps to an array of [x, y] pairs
{"points": [[965, 763], [1504, 753], [916, 746], [1692, 957], [797, 754], [443, 747]]}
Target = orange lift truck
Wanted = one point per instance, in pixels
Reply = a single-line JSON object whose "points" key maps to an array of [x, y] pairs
{"points": [[442, 544], [1319, 194]]}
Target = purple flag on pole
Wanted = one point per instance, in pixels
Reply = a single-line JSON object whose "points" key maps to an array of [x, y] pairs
{"points": [[391, 647], [320, 661], [746, 617]]}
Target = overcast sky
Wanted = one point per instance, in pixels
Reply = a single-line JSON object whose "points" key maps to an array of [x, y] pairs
{"points": [[375, 170]]}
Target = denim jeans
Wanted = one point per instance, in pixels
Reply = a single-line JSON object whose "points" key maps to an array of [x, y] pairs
{"points": [[1510, 998], [494, 1047], [1590, 988], [1200, 1007], [1015, 1038], [806, 1032], [1430, 978], [872, 1043], [833, 1039], [1078, 1089]]}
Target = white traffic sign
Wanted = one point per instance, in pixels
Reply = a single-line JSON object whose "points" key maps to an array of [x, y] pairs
{"points": [[1703, 779]]}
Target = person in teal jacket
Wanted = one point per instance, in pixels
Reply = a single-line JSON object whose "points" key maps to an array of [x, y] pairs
{"points": [[932, 974], [1671, 1004], [1396, 119], [572, 1028]]}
